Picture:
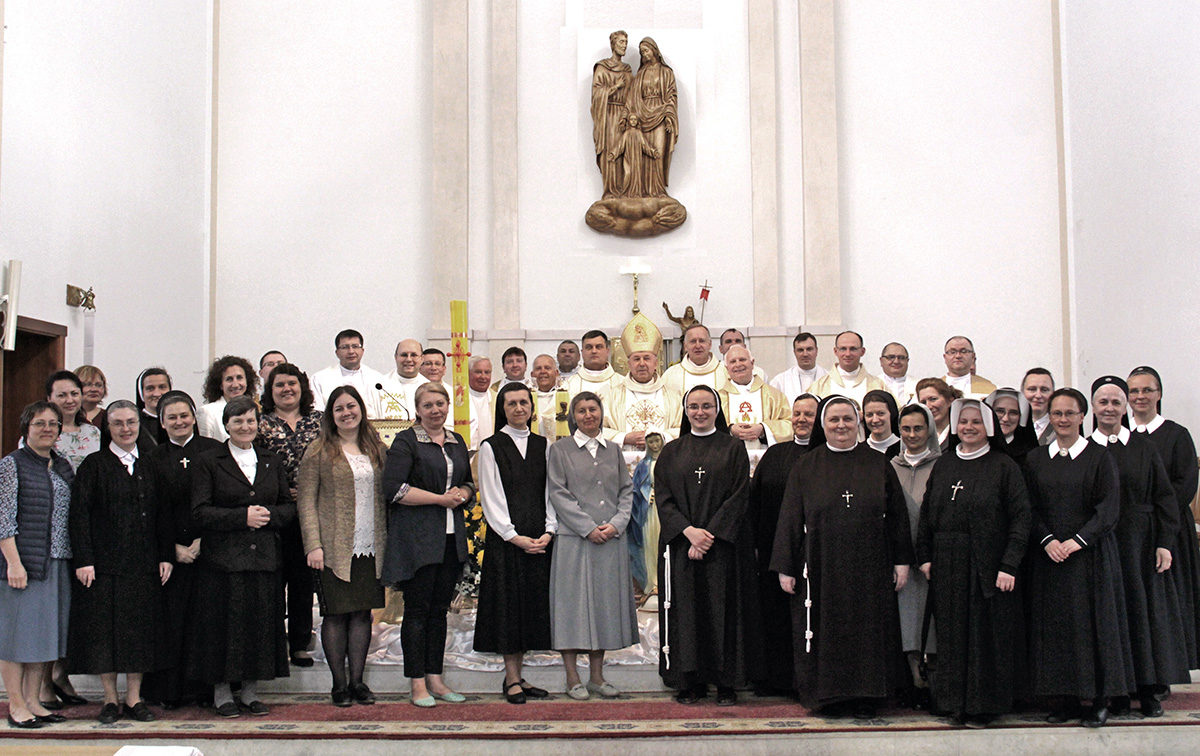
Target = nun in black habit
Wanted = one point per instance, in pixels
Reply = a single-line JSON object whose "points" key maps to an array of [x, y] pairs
{"points": [[1079, 633], [1015, 435], [844, 547], [972, 534], [709, 620], [1178, 453], [881, 419], [766, 496], [1146, 533]]}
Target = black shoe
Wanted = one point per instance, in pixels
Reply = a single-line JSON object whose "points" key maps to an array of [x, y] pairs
{"points": [[1161, 692], [687, 696], [1151, 706], [922, 699], [514, 698], [139, 711], [979, 721], [229, 710], [71, 699], [25, 724], [865, 711], [257, 708], [533, 692], [726, 696], [50, 718], [834, 710], [302, 661], [341, 697], [1097, 717], [1119, 706], [362, 694], [109, 713], [54, 705]]}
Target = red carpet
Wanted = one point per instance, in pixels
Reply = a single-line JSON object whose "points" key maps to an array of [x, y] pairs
{"points": [[639, 715]]}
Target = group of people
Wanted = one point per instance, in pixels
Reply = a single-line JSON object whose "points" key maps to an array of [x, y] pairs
{"points": [[885, 542]]}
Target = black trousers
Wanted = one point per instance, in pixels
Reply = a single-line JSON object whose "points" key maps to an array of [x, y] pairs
{"points": [[427, 598], [298, 583]]}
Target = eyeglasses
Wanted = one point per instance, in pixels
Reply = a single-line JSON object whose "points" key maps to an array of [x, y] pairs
{"points": [[43, 424], [349, 347], [1143, 391], [959, 352], [1067, 414], [701, 407], [123, 423], [895, 357], [94, 384], [1013, 414]]}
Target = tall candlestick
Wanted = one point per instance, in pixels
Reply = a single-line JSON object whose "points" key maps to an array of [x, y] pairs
{"points": [[458, 357]]}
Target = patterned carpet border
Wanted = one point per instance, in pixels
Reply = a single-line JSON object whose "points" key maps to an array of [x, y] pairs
{"points": [[484, 717]]}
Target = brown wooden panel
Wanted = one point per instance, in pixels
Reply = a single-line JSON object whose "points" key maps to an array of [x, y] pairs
{"points": [[40, 350]]}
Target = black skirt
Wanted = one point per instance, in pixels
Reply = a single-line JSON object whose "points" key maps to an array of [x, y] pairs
{"points": [[514, 599], [362, 593], [115, 624], [237, 631]]}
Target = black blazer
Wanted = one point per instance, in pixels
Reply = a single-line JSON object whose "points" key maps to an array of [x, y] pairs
{"points": [[220, 497], [118, 522], [417, 535]]}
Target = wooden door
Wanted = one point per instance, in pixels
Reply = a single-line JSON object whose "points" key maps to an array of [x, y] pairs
{"points": [[41, 349]]}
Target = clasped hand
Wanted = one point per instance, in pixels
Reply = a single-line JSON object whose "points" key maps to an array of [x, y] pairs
{"points": [[454, 497], [257, 517], [532, 545], [1059, 551], [601, 533], [701, 541]]}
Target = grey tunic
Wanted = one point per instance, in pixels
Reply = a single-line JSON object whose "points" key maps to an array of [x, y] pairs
{"points": [[912, 597], [591, 588]]}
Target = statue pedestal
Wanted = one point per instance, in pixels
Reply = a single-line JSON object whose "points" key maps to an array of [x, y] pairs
{"points": [[636, 217]]}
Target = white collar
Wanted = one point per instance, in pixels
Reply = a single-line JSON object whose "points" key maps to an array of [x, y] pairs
{"points": [[802, 371], [972, 455], [883, 445], [582, 439], [242, 456], [346, 372], [595, 376], [702, 434], [847, 376], [121, 453], [709, 366], [418, 378], [185, 443], [832, 448], [1076, 448], [740, 388], [1153, 425], [480, 394], [902, 380], [515, 432], [1122, 437], [802, 441], [913, 459]]}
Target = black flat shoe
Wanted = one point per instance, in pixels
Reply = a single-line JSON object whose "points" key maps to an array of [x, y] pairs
{"points": [[257, 708], [341, 697], [1119, 706], [50, 718], [109, 713], [54, 705], [533, 692], [362, 694], [228, 710], [71, 699], [514, 698], [1097, 717], [726, 697], [25, 724], [1151, 707], [302, 661], [979, 721], [139, 711], [687, 696], [864, 711]]}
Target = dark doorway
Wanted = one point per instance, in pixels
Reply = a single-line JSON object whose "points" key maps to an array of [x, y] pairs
{"points": [[41, 349]]}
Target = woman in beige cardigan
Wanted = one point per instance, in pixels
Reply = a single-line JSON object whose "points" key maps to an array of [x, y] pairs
{"points": [[342, 521]]}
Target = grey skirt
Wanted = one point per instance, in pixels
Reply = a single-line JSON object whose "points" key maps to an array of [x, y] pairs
{"points": [[33, 621]]}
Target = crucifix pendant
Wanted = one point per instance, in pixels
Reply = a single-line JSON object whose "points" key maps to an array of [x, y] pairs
{"points": [[847, 496], [956, 488], [700, 474], [184, 462]]}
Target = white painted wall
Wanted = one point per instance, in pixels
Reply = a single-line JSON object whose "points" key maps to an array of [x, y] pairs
{"points": [[949, 204], [103, 178], [1133, 92], [323, 206]]}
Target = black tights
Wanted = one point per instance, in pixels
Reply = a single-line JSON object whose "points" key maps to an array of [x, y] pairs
{"points": [[346, 638]]}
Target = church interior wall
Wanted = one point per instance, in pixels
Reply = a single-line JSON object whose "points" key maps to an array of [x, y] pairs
{"points": [[947, 153], [103, 176], [1133, 91]]}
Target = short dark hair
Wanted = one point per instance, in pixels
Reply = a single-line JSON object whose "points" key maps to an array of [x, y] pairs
{"points": [[33, 410], [1037, 371], [593, 334], [432, 350], [349, 333], [216, 372], [239, 405], [306, 395], [861, 343], [513, 350], [803, 336], [1073, 394], [268, 353], [65, 375], [732, 330], [568, 341]]}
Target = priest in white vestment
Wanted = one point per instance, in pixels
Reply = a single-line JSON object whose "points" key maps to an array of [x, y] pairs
{"points": [[595, 375], [547, 388], [568, 360], [960, 369], [350, 371], [799, 379], [894, 363], [402, 382], [758, 414], [433, 367], [514, 363], [698, 366], [641, 402], [483, 414], [849, 378], [733, 337]]}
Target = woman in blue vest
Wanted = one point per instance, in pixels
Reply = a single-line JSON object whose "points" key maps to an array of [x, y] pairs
{"points": [[35, 557]]}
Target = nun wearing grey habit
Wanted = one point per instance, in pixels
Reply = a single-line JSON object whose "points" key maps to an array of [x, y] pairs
{"points": [[591, 588]]}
